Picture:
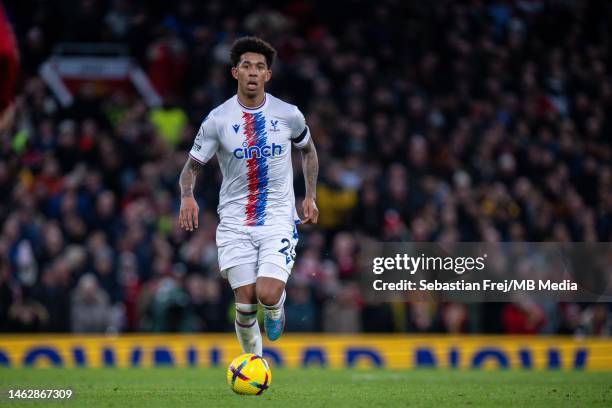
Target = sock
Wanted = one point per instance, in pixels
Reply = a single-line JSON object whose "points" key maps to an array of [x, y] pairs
{"points": [[247, 328], [275, 311]]}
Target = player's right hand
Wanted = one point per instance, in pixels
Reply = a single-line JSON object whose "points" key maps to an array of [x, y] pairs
{"points": [[188, 215]]}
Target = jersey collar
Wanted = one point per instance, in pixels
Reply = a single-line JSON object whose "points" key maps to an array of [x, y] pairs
{"points": [[263, 103]]}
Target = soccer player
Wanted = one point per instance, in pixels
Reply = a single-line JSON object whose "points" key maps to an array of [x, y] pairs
{"points": [[251, 133]]}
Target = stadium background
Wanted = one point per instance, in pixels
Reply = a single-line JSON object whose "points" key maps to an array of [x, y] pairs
{"points": [[434, 121]]}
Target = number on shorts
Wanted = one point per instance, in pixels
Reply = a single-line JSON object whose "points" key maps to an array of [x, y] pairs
{"points": [[288, 250]]}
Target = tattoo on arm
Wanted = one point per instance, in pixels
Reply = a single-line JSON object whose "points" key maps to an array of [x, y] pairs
{"points": [[310, 167], [187, 179]]}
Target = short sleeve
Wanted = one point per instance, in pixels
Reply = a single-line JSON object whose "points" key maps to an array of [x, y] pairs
{"points": [[206, 141], [300, 134]]}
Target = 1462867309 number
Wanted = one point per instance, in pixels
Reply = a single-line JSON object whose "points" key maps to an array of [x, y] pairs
{"points": [[39, 394]]}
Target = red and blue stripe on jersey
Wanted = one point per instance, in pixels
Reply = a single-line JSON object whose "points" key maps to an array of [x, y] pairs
{"points": [[257, 169]]}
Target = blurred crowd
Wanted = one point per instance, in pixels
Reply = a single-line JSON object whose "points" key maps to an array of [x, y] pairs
{"points": [[434, 121]]}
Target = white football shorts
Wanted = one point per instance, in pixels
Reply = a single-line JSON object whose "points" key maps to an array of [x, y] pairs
{"points": [[257, 245]]}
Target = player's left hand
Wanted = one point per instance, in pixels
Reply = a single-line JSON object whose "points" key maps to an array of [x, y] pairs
{"points": [[311, 212]]}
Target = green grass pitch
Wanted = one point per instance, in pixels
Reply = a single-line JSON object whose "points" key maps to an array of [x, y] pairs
{"points": [[194, 387]]}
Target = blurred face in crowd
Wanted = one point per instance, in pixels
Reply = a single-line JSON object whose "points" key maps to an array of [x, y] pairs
{"points": [[252, 73]]}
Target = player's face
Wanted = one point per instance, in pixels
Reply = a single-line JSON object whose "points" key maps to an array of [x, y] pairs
{"points": [[252, 72]]}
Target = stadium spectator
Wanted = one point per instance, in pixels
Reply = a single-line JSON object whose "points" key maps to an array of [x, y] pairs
{"points": [[209, 310], [300, 309], [90, 306]]}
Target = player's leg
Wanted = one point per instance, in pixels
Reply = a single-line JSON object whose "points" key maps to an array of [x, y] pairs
{"points": [[242, 280], [271, 294], [276, 257], [238, 264]]}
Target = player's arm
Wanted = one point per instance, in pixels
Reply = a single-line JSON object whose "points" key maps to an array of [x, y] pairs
{"points": [[188, 215], [310, 167], [204, 147]]}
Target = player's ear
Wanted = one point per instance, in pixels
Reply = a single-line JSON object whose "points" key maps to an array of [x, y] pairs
{"points": [[268, 75], [235, 72]]}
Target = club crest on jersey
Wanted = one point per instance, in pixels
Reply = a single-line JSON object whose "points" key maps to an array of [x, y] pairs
{"points": [[248, 152], [236, 127], [274, 124]]}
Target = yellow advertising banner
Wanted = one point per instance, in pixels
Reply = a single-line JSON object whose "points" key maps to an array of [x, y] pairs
{"points": [[310, 350]]}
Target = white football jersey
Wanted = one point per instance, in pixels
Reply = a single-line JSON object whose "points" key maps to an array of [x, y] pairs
{"points": [[253, 146]]}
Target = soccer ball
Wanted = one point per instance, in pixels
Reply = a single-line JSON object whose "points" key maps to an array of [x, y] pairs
{"points": [[249, 374]]}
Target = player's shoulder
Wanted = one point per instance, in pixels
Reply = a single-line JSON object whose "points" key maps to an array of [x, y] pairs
{"points": [[281, 106], [221, 110]]}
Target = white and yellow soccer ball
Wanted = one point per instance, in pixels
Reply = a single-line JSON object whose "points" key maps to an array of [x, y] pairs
{"points": [[249, 374]]}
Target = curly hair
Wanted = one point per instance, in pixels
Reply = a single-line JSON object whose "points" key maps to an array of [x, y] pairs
{"points": [[252, 44]]}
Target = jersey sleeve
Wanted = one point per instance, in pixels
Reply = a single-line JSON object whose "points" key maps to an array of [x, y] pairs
{"points": [[300, 134], [206, 141]]}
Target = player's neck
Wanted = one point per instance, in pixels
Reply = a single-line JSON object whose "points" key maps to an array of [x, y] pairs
{"points": [[253, 102]]}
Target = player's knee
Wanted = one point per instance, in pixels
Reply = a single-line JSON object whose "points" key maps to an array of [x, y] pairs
{"points": [[245, 294], [269, 295]]}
